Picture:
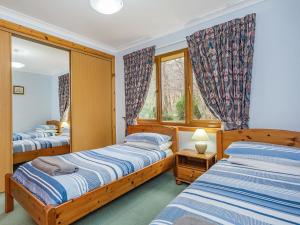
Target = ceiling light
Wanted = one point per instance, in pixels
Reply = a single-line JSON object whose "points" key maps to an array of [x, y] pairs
{"points": [[107, 6], [17, 65]]}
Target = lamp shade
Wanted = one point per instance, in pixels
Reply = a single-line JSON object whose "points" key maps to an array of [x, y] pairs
{"points": [[200, 135]]}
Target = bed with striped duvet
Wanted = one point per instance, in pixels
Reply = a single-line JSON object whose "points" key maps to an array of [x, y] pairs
{"points": [[231, 193], [27, 145], [96, 168]]}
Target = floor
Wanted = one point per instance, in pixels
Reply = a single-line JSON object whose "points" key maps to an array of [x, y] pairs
{"points": [[138, 207]]}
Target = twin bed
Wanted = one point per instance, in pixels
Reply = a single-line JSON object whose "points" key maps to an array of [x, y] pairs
{"points": [[248, 189], [30, 145], [231, 192], [105, 175]]}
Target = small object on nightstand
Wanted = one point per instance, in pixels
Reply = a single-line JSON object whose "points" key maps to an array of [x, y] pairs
{"points": [[190, 165], [201, 137]]}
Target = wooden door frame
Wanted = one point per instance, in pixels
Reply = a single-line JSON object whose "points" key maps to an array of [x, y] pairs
{"points": [[6, 107]]}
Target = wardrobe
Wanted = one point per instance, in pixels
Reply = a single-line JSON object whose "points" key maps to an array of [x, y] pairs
{"points": [[92, 93]]}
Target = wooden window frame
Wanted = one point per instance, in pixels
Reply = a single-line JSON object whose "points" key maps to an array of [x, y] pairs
{"points": [[188, 77]]}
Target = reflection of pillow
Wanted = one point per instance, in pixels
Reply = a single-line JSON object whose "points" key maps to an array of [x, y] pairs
{"points": [[161, 147], [46, 127], [46, 131], [150, 138], [284, 155]]}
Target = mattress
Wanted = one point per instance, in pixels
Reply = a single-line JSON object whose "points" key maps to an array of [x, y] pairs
{"points": [[40, 143], [31, 135], [96, 168], [232, 193]]}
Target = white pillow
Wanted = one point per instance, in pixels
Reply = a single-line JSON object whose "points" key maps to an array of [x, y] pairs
{"points": [[265, 165], [284, 155], [161, 147], [46, 131], [151, 138], [46, 127]]}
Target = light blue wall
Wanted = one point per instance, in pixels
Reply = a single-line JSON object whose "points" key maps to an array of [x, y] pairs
{"points": [[275, 96], [275, 99], [36, 105]]}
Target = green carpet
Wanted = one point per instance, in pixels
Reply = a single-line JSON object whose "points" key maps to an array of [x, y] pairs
{"points": [[138, 207]]}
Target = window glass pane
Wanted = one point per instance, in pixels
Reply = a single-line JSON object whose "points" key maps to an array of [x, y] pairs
{"points": [[172, 89], [200, 110], [148, 111]]}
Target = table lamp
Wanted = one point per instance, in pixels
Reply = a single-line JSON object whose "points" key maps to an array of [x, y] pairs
{"points": [[201, 137]]}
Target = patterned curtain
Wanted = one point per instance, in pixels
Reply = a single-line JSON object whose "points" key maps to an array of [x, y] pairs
{"points": [[222, 58], [138, 69], [64, 96]]}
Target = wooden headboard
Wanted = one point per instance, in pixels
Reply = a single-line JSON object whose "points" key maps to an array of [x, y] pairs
{"points": [[167, 130], [56, 123], [280, 137]]}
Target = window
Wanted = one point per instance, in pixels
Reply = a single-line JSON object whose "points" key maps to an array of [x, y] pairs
{"points": [[174, 97], [149, 110], [173, 88]]}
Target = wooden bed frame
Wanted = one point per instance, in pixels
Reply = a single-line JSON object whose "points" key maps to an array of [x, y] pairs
{"points": [[74, 209], [280, 137], [56, 123], [22, 157]]}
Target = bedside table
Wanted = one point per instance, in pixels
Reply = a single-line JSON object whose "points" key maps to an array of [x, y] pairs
{"points": [[190, 164]]}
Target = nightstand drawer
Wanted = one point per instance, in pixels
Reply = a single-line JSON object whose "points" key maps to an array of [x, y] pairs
{"points": [[187, 174]]}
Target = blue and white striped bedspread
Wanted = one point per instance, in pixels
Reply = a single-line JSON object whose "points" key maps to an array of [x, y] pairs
{"points": [[40, 143], [96, 168], [235, 194], [31, 135]]}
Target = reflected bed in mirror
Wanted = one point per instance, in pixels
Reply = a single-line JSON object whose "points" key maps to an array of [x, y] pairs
{"points": [[41, 114]]}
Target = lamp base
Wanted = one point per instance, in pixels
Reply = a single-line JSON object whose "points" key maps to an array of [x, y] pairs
{"points": [[201, 147]]}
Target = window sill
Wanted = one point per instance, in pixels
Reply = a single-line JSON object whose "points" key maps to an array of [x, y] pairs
{"points": [[211, 126]]}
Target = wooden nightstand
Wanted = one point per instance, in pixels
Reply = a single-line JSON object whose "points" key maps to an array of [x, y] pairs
{"points": [[190, 165]]}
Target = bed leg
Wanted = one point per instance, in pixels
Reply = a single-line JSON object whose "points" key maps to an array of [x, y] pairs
{"points": [[9, 200], [178, 182], [50, 215]]}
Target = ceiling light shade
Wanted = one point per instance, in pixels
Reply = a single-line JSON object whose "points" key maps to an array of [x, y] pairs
{"points": [[17, 65], [107, 6]]}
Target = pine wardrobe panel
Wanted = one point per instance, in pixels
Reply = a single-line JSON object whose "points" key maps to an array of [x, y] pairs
{"points": [[91, 102], [5, 107]]}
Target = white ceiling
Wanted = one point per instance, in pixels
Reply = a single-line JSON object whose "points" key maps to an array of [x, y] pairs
{"points": [[39, 58], [138, 21]]}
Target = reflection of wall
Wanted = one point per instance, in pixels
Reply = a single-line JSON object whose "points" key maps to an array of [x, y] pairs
{"points": [[35, 107]]}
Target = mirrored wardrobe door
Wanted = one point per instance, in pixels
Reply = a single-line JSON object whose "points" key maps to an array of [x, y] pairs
{"points": [[41, 100]]}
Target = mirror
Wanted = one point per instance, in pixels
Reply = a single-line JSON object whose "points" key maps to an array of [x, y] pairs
{"points": [[41, 100]]}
